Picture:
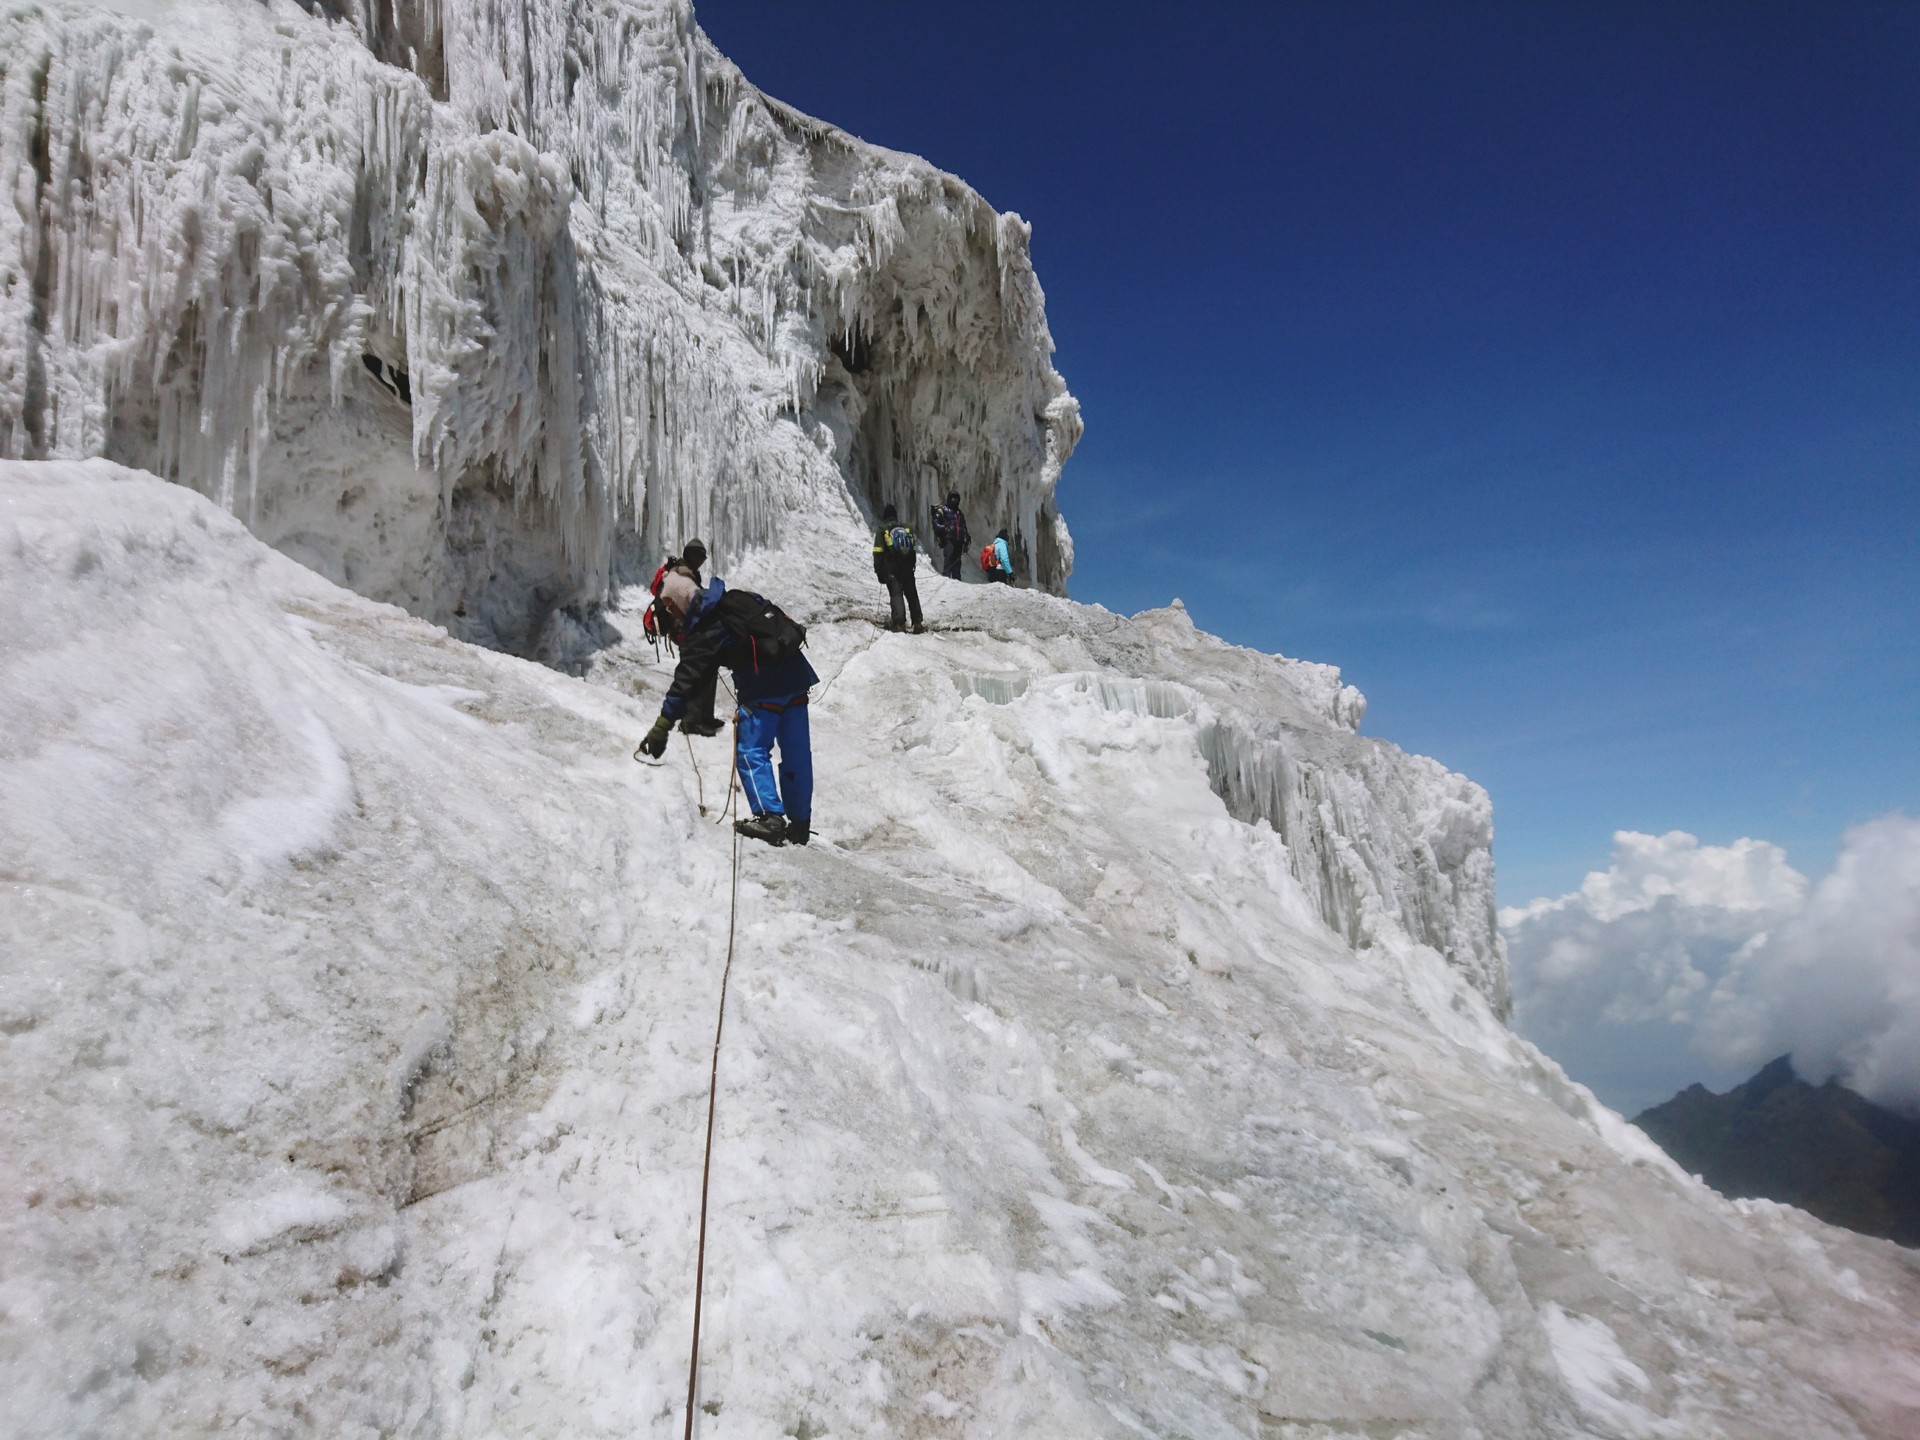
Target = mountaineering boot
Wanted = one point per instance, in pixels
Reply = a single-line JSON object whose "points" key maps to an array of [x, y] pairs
{"points": [[769, 827], [919, 629], [701, 727], [798, 831]]}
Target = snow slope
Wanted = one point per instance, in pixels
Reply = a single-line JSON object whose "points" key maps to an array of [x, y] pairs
{"points": [[563, 257], [358, 991]]}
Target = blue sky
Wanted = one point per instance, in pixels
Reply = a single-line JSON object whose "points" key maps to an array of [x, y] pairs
{"points": [[1553, 369]]}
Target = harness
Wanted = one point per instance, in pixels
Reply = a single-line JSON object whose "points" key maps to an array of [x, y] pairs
{"points": [[792, 702]]}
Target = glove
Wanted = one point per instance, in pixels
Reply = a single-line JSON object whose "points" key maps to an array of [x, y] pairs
{"points": [[656, 742]]}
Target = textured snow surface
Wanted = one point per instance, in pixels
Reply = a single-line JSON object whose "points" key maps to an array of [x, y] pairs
{"points": [[357, 988], [632, 299]]}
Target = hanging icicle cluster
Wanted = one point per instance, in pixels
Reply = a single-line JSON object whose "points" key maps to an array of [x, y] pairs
{"points": [[623, 293], [1373, 834]]}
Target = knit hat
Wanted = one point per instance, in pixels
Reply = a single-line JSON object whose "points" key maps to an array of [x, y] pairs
{"points": [[678, 592], [954, 499], [694, 552], [888, 512]]}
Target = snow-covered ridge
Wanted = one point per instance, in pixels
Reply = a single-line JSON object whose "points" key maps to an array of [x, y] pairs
{"points": [[356, 990], [560, 257], [1372, 834]]}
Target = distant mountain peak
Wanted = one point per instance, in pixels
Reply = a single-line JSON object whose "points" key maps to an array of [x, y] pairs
{"points": [[1823, 1148], [1776, 1074]]}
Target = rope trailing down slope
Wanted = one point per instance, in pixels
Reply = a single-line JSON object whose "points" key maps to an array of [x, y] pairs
{"points": [[713, 1091]]}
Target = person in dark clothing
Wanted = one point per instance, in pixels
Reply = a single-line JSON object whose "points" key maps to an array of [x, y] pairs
{"points": [[951, 533], [699, 719], [895, 552], [716, 628]]}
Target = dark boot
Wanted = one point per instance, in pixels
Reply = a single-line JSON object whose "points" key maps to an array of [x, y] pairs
{"points": [[799, 831], [769, 827], [701, 727]]}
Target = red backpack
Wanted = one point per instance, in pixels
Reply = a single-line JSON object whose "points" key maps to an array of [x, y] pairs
{"points": [[987, 560], [656, 623]]}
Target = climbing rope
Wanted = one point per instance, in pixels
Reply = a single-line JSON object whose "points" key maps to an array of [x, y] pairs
{"points": [[700, 787], [733, 782], [719, 1029], [858, 652], [706, 1167], [732, 807]]}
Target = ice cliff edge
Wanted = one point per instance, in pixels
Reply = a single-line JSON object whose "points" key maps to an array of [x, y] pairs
{"points": [[459, 303]]}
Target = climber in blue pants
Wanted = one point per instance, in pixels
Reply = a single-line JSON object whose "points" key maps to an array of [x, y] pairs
{"points": [[764, 724], [760, 644]]}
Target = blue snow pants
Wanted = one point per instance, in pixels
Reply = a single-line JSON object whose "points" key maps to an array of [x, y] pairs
{"points": [[763, 724]]}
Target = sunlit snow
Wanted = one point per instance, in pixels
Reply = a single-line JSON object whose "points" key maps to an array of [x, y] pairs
{"points": [[359, 989]]}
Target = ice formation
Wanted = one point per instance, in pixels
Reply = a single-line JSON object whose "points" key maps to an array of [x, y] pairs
{"points": [[1125, 1057], [358, 988], [459, 303]]}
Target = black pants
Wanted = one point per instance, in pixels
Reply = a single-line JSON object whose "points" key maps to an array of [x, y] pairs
{"points": [[903, 596], [950, 554], [700, 716]]}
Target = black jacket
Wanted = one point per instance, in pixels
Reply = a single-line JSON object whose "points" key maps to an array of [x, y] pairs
{"points": [[715, 634], [961, 536]]}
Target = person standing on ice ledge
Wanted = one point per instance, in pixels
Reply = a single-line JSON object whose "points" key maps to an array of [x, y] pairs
{"points": [[755, 639], [997, 559], [951, 533], [895, 553]]}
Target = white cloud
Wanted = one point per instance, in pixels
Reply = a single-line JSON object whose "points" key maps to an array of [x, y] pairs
{"points": [[1745, 877], [1646, 938], [1685, 961], [1838, 985]]}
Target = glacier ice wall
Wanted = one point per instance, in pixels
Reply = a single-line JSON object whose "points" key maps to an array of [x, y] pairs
{"points": [[1379, 840], [1372, 833], [460, 302]]}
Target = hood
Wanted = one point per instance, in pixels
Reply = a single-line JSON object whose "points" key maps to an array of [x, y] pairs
{"points": [[704, 602]]}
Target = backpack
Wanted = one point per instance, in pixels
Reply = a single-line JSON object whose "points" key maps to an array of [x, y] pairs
{"points": [[655, 622], [988, 561], [770, 631], [900, 541], [942, 524]]}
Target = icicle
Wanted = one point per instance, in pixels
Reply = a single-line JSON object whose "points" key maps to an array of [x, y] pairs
{"points": [[226, 224]]}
